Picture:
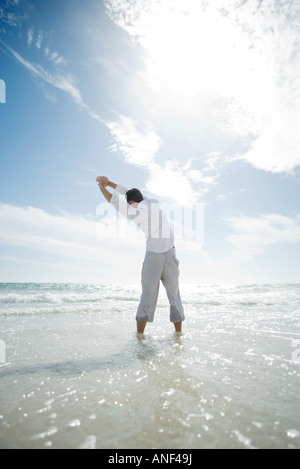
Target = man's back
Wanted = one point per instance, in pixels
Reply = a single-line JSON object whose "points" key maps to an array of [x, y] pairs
{"points": [[161, 263], [149, 216]]}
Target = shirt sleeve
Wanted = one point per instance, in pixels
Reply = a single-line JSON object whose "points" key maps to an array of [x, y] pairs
{"points": [[120, 205], [121, 189], [127, 210]]}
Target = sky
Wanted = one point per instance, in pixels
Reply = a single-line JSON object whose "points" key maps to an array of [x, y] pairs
{"points": [[196, 103]]}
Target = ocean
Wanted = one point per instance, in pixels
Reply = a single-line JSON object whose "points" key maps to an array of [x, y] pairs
{"points": [[74, 373]]}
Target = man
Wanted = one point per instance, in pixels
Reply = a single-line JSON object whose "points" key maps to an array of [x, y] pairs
{"points": [[160, 262]]}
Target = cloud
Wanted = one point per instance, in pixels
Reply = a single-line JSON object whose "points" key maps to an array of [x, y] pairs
{"points": [[62, 81], [52, 56], [30, 33], [274, 33], [277, 148], [245, 53], [140, 144], [254, 235], [55, 57], [72, 236], [35, 229], [7, 13], [39, 40], [177, 182], [67, 246]]}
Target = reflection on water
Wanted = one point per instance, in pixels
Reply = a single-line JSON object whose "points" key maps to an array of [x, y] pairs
{"points": [[140, 348], [75, 380]]}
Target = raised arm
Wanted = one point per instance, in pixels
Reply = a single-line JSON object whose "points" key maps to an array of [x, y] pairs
{"points": [[112, 184], [103, 182]]}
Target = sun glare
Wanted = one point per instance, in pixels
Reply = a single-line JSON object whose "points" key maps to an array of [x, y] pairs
{"points": [[191, 52], [219, 60]]}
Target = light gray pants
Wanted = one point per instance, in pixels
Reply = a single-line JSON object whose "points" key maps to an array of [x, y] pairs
{"points": [[160, 267]]}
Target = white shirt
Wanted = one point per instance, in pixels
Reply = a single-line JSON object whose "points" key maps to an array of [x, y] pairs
{"points": [[150, 218]]}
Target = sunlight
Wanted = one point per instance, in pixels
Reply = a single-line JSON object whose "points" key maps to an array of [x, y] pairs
{"points": [[192, 51], [200, 61], [230, 63], [207, 58]]}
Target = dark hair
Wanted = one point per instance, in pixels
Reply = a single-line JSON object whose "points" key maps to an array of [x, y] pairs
{"points": [[135, 195]]}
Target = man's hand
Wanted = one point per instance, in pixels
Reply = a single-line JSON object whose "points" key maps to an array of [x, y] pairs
{"points": [[102, 181]]}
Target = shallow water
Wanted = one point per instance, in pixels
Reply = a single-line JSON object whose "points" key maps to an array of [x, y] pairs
{"points": [[76, 375]]}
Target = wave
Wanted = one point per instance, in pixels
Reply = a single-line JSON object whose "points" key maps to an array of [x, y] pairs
{"points": [[53, 299], [45, 298]]}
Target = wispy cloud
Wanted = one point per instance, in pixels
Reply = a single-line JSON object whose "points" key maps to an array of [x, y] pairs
{"points": [[72, 236], [8, 14], [38, 43], [140, 144], [30, 33], [254, 235], [35, 229], [60, 80], [56, 58], [39, 39], [83, 247], [63, 82]]}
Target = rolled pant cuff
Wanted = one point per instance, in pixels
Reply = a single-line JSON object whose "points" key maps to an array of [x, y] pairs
{"points": [[176, 315]]}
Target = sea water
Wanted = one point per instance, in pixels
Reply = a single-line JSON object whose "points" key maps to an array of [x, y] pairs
{"points": [[74, 373]]}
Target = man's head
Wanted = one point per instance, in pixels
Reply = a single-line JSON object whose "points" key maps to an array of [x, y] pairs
{"points": [[134, 196]]}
